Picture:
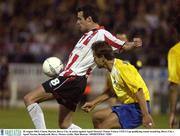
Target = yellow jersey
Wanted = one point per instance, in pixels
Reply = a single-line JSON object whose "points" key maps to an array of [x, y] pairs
{"points": [[126, 81], [174, 64]]}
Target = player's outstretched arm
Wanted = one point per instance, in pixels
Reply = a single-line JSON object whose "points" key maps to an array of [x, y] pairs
{"points": [[147, 119], [136, 43], [89, 106]]}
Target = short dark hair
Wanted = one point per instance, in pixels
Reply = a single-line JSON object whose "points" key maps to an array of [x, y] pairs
{"points": [[101, 48], [89, 11]]}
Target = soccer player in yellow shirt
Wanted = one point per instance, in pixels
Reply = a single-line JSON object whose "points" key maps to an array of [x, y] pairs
{"points": [[129, 88], [174, 76]]}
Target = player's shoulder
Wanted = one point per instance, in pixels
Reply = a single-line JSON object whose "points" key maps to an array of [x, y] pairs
{"points": [[104, 32], [118, 61], [176, 47], [122, 64]]}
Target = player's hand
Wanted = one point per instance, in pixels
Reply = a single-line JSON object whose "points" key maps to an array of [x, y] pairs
{"points": [[137, 42], [172, 121], [88, 106], [148, 121]]}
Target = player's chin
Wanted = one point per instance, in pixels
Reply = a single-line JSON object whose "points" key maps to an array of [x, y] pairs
{"points": [[82, 30]]}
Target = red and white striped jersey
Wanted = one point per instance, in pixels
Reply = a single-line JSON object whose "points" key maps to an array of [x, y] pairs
{"points": [[81, 60]]}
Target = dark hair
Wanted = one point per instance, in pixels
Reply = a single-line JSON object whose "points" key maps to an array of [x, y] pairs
{"points": [[101, 48], [89, 11]]}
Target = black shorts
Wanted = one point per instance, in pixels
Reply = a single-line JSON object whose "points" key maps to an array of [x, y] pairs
{"points": [[68, 91]]}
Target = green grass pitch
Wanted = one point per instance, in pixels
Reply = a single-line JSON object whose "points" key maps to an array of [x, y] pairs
{"points": [[16, 118]]}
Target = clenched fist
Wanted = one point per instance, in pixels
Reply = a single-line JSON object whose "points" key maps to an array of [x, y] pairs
{"points": [[137, 42]]}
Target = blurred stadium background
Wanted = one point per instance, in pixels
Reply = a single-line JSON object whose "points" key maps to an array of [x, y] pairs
{"points": [[32, 30]]}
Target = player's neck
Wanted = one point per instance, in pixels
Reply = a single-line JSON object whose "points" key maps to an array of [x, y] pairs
{"points": [[94, 26]]}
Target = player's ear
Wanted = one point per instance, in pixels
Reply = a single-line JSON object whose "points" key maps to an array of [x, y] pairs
{"points": [[89, 19]]}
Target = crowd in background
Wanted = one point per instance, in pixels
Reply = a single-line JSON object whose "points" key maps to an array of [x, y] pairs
{"points": [[32, 30]]}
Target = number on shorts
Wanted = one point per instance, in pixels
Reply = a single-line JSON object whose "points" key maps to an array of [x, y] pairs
{"points": [[55, 81]]}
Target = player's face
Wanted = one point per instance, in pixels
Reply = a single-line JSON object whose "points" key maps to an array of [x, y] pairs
{"points": [[98, 61], [82, 22]]}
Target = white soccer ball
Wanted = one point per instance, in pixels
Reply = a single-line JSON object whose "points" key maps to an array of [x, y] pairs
{"points": [[52, 66]]}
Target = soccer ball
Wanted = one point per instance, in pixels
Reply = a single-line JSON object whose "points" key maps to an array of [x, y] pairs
{"points": [[52, 66]]}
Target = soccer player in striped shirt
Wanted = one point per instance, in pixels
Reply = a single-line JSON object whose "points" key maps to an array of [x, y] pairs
{"points": [[69, 86]]}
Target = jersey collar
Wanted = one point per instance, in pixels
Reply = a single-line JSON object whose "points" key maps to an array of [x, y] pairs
{"points": [[100, 27], [95, 29]]}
